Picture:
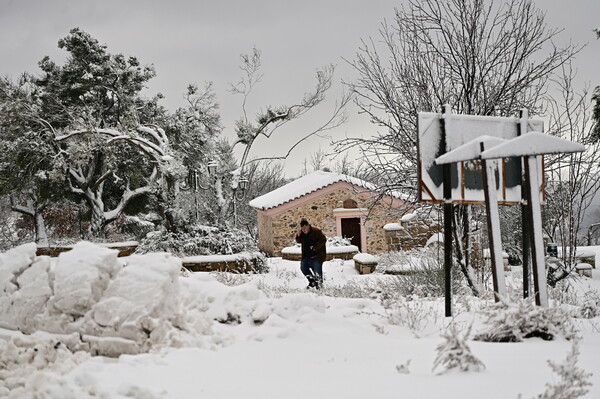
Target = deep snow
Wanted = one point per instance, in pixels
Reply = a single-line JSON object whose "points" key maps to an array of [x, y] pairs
{"points": [[257, 336]]}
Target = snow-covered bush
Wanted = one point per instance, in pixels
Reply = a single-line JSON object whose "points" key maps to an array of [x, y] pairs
{"points": [[454, 353], [352, 289], [199, 240], [514, 321], [338, 241], [203, 240], [590, 305], [573, 380], [412, 312], [557, 270], [418, 272], [137, 227]]}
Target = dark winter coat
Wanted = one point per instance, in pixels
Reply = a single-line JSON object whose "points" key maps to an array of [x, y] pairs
{"points": [[315, 239]]}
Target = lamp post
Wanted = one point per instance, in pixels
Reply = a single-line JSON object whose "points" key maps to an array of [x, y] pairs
{"points": [[239, 186]]}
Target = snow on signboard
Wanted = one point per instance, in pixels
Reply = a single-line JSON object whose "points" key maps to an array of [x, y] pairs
{"points": [[466, 177]]}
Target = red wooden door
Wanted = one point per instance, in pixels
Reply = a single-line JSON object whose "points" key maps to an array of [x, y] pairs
{"points": [[351, 229]]}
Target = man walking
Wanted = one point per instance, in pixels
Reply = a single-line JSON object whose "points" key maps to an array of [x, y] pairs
{"points": [[313, 243]]}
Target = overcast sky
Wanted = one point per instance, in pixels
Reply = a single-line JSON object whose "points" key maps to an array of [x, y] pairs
{"points": [[198, 41]]}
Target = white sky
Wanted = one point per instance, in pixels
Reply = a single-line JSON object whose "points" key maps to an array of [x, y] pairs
{"points": [[191, 41]]}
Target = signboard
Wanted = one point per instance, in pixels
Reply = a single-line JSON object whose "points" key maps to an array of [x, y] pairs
{"points": [[466, 177]]}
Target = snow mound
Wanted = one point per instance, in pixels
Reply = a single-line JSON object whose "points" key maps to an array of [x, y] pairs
{"points": [[114, 306]]}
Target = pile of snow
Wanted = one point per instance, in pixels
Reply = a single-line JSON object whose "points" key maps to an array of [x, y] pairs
{"points": [[436, 238], [393, 227], [223, 335], [115, 306], [408, 217]]}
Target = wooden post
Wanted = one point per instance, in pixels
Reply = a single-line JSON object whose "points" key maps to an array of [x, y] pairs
{"points": [[447, 222], [535, 224], [493, 226], [526, 233]]}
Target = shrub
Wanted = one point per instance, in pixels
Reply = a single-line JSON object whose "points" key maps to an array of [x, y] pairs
{"points": [[590, 306], [418, 272], [198, 240], [515, 321], [573, 380], [455, 353]]}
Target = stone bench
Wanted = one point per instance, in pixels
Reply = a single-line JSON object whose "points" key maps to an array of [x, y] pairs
{"points": [[365, 263], [584, 269]]}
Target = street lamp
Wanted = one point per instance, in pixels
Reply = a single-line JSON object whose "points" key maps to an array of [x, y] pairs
{"points": [[212, 167], [241, 185], [194, 177]]}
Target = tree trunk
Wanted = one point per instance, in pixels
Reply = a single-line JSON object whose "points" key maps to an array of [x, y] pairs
{"points": [[35, 211], [168, 203], [461, 253], [98, 220], [41, 235]]}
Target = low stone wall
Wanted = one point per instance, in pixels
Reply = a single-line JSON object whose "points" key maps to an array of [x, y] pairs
{"points": [[344, 253], [125, 249], [410, 233], [584, 269], [590, 259], [239, 263]]}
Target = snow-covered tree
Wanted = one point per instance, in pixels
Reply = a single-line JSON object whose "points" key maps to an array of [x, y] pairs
{"points": [[573, 180], [482, 58], [267, 122], [596, 100], [27, 162], [104, 132]]}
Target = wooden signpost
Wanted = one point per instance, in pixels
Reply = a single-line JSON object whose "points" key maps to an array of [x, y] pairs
{"points": [[509, 151]]}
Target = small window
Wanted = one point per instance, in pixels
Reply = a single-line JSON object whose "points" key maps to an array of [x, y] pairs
{"points": [[350, 203]]}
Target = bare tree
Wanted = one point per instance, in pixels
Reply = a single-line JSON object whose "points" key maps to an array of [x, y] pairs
{"points": [[573, 179], [268, 122], [271, 119], [483, 58]]}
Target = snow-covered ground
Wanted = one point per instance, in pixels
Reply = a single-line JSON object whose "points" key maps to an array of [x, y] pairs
{"points": [[247, 336]]}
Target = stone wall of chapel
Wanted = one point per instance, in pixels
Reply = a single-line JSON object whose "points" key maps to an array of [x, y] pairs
{"points": [[412, 234], [319, 212], [265, 231]]}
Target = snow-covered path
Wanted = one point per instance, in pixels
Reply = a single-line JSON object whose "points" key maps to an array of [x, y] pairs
{"points": [[292, 343]]}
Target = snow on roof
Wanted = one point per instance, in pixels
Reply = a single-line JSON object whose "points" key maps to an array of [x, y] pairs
{"points": [[304, 185]]}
